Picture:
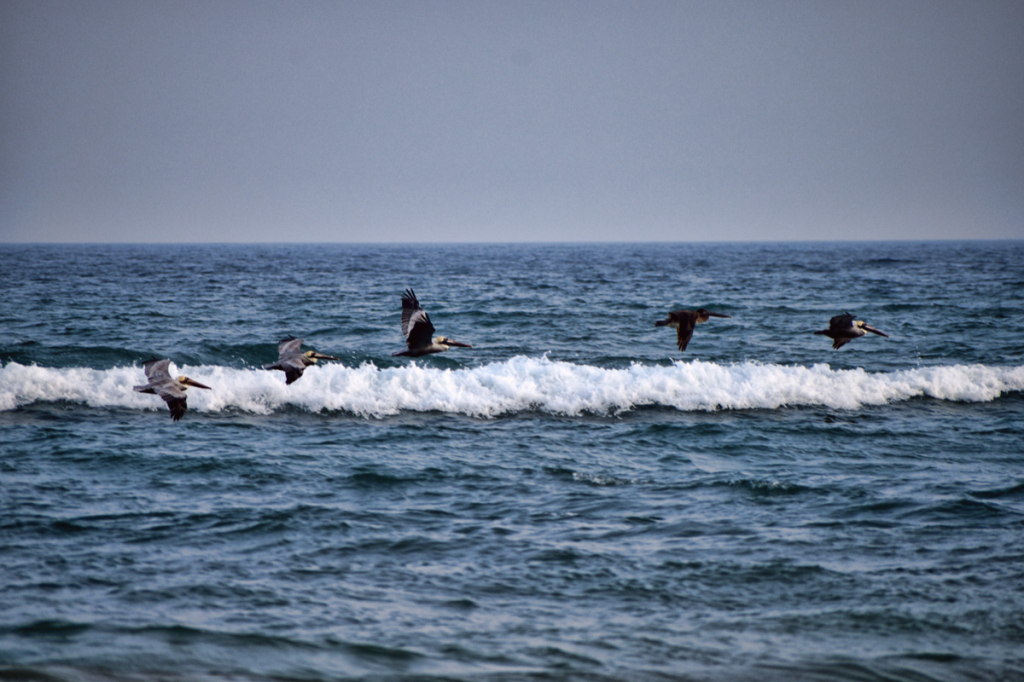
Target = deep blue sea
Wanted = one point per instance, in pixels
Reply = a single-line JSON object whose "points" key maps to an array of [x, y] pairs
{"points": [[571, 499]]}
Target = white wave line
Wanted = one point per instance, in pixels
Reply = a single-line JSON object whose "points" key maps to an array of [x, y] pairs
{"points": [[516, 385]]}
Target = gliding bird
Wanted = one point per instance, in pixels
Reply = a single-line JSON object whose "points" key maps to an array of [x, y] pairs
{"points": [[843, 328], [416, 328], [167, 387], [684, 321], [292, 361]]}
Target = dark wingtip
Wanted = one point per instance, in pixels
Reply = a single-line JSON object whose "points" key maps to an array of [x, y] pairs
{"points": [[177, 410]]}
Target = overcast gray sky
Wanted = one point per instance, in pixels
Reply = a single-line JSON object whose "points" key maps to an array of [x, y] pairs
{"points": [[239, 121]]}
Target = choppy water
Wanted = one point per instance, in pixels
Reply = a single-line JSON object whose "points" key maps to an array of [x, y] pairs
{"points": [[572, 499]]}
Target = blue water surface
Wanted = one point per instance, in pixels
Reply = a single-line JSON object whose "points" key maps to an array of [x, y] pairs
{"points": [[571, 499]]}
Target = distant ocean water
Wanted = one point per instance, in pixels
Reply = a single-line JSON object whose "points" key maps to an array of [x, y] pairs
{"points": [[571, 499]]}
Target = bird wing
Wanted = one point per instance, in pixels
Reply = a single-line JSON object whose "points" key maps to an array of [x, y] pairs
{"points": [[289, 346], [416, 325], [840, 341], [840, 322], [410, 306], [421, 331], [156, 369], [291, 372], [293, 367], [291, 364], [175, 399], [687, 320]]}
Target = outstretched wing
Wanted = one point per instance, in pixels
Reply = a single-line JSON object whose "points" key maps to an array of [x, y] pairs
{"points": [[157, 369], [291, 372], [841, 322], [293, 367], [175, 400], [289, 346], [687, 320], [292, 364], [416, 325]]}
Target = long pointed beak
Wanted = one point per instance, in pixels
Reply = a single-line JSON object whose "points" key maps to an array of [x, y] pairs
{"points": [[711, 314], [459, 344], [869, 328], [321, 356], [193, 382]]}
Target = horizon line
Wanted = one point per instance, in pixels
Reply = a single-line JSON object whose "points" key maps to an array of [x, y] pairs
{"points": [[510, 243]]}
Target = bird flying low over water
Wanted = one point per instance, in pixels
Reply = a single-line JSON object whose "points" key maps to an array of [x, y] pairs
{"points": [[843, 328], [416, 328], [292, 361], [684, 321], [167, 387]]}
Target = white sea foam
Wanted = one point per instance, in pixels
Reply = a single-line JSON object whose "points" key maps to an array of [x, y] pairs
{"points": [[516, 385]]}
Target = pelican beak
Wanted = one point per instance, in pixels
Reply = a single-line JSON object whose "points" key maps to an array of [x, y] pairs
{"points": [[193, 382], [711, 314], [321, 356], [869, 328], [450, 342]]}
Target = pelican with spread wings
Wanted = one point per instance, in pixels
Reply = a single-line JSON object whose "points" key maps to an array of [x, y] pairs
{"points": [[684, 321], [292, 361], [417, 329], [843, 328], [167, 387]]}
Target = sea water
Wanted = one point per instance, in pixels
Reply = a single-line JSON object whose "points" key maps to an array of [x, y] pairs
{"points": [[571, 499]]}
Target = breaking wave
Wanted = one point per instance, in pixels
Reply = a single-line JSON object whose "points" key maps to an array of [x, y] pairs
{"points": [[517, 385]]}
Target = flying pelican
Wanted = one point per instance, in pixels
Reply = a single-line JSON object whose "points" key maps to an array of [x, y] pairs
{"points": [[167, 387], [684, 321], [843, 328], [416, 328], [292, 361]]}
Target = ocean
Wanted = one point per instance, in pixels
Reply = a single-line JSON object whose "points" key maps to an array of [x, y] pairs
{"points": [[572, 499]]}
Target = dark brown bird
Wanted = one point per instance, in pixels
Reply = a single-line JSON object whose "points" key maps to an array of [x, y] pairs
{"points": [[292, 361], [167, 387], [843, 328], [416, 328], [684, 321]]}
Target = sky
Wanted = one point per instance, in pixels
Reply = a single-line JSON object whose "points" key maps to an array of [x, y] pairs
{"points": [[487, 121]]}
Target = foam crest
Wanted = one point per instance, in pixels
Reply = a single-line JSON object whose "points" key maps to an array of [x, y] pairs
{"points": [[516, 385]]}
